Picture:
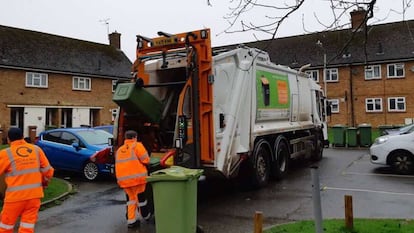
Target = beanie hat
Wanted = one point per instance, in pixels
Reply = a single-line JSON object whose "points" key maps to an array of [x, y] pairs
{"points": [[15, 134]]}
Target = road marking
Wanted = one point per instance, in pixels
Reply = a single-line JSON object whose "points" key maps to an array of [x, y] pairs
{"points": [[367, 190], [375, 174]]}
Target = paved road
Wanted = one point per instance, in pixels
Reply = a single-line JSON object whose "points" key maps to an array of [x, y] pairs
{"points": [[225, 207]]}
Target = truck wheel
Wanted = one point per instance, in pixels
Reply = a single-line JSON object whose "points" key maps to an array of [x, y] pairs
{"points": [[261, 166], [280, 166], [317, 153]]}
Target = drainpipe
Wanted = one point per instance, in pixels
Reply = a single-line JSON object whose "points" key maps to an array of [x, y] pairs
{"points": [[351, 95]]}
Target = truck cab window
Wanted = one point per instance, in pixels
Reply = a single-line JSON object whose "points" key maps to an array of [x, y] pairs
{"points": [[187, 103]]}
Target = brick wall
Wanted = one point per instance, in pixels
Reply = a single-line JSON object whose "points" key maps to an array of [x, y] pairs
{"points": [[352, 95], [58, 93]]}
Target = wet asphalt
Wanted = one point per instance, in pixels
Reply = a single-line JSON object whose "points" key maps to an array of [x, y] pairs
{"points": [[227, 207]]}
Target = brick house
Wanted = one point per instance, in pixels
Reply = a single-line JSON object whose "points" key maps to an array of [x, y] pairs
{"points": [[369, 69], [53, 81]]}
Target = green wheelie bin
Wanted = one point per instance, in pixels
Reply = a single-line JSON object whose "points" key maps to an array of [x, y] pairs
{"points": [[365, 135], [352, 135], [339, 136], [175, 199]]}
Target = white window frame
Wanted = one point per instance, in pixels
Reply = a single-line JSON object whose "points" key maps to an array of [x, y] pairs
{"points": [[395, 68], [81, 84], [373, 102], [398, 101], [39, 80], [114, 85], [372, 72], [334, 105], [313, 74], [331, 73]]}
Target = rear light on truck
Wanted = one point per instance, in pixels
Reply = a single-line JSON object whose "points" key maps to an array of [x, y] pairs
{"points": [[168, 159]]}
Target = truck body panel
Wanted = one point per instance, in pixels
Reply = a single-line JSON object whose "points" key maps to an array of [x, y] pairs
{"points": [[220, 111]]}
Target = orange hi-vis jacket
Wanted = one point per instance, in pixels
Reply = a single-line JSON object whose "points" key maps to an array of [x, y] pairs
{"points": [[130, 161], [25, 167]]}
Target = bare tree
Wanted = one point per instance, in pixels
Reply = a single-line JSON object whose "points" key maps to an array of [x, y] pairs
{"points": [[243, 16]]}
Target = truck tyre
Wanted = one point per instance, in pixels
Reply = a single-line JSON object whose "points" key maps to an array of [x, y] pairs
{"points": [[280, 165], [317, 152], [261, 165]]}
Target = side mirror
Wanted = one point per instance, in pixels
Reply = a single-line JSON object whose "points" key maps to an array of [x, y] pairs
{"points": [[76, 145], [328, 110], [111, 141]]}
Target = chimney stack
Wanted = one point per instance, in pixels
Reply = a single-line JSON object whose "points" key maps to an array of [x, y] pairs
{"points": [[359, 18], [115, 40]]}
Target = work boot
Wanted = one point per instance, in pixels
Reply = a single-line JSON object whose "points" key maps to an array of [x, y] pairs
{"points": [[135, 224]]}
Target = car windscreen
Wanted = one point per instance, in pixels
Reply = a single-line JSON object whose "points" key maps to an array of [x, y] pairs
{"points": [[406, 129], [95, 137]]}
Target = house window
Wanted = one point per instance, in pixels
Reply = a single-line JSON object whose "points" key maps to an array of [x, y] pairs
{"points": [[313, 74], [334, 103], [396, 104], [332, 75], [395, 70], [114, 82], [373, 72], [51, 118], [80, 83], [373, 105], [36, 80], [66, 118], [16, 117]]}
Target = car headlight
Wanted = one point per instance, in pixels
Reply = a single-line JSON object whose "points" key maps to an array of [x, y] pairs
{"points": [[381, 140]]}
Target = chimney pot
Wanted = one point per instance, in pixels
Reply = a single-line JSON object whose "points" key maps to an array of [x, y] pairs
{"points": [[358, 18], [115, 40]]}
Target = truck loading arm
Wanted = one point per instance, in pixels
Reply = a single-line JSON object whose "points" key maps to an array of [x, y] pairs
{"points": [[224, 159], [197, 47]]}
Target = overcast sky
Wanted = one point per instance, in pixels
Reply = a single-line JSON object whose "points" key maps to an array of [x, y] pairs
{"points": [[85, 19]]}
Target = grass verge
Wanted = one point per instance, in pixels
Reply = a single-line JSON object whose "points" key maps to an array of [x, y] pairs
{"points": [[338, 226]]}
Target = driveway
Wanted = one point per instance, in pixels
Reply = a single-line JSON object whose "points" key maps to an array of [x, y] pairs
{"points": [[225, 207]]}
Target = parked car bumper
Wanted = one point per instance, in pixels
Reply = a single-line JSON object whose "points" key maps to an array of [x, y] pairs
{"points": [[378, 154]]}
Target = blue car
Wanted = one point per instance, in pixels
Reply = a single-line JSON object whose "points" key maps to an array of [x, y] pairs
{"points": [[107, 128], [84, 150]]}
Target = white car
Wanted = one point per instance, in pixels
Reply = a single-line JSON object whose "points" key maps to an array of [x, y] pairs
{"points": [[395, 150]]}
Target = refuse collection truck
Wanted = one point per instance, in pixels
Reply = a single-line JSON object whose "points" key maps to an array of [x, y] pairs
{"points": [[226, 112]]}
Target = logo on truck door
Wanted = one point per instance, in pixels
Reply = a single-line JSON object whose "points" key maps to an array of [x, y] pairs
{"points": [[272, 95]]}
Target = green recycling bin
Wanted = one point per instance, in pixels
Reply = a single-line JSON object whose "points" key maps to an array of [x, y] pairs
{"points": [[352, 135], [338, 135], [175, 199], [365, 135]]}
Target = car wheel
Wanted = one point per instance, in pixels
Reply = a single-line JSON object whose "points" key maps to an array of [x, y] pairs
{"points": [[402, 162], [90, 171]]}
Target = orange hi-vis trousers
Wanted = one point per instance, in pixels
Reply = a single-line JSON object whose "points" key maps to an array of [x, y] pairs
{"points": [[133, 202], [28, 210]]}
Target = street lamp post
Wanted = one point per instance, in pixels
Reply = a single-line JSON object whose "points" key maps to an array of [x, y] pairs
{"points": [[324, 74]]}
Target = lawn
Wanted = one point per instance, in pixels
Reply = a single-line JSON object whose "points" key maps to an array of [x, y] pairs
{"points": [[338, 226]]}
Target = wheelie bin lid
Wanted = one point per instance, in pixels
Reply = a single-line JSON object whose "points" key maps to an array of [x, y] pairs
{"points": [[174, 173]]}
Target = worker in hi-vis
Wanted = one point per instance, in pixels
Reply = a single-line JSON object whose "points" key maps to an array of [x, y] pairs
{"points": [[131, 173], [27, 172]]}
